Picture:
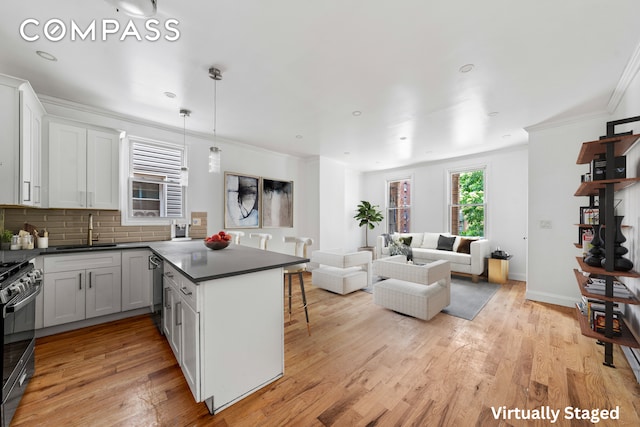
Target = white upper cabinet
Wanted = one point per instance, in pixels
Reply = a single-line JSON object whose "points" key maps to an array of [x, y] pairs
{"points": [[83, 167], [21, 116]]}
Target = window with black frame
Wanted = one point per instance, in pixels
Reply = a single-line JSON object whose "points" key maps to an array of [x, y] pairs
{"points": [[467, 207], [399, 206]]}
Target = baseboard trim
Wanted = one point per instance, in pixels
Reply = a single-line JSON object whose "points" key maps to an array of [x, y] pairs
{"points": [[52, 330], [518, 276], [550, 298]]}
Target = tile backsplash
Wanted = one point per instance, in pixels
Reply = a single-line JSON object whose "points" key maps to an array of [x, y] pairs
{"points": [[69, 226]]}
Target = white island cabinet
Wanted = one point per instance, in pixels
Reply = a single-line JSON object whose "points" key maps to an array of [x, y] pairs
{"points": [[224, 319], [227, 334], [242, 337]]}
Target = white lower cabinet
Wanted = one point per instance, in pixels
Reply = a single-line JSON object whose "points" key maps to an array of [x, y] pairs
{"points": [[64, 297], [137, 279], [78, 287], [103, 291]]}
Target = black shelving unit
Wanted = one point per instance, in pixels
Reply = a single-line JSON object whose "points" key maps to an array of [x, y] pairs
{"points": [[611, 146]]}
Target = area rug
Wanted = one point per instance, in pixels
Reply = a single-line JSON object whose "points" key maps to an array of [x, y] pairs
{"points": [[467, 298]]}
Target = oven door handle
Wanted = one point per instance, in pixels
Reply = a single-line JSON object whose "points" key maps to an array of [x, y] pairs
{"points": [[12, 308]]}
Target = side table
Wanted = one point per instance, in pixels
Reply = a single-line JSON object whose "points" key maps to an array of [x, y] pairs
{"points": [[499, 270]]}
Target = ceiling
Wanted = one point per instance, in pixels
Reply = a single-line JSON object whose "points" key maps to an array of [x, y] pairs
{"points": [[294, 72]]}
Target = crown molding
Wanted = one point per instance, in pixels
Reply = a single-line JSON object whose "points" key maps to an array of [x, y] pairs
{"points": [[626, 78], [82, 108], [550, 124]]}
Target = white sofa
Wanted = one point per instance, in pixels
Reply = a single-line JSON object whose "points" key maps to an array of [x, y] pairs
{"points": [[424, 248]]}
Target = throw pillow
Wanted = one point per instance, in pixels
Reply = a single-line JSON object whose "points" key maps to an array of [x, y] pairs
{"points": [[406, 240], [387, 239], [430, 240], [445, 243], [397, 248], [464, 247]]}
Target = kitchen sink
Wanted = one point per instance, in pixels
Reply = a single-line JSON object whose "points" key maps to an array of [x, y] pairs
{"points": [[96, 246]]}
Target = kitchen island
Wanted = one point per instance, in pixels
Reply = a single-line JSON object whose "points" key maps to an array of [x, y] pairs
{"points": [[222, 311], [223, 317]]}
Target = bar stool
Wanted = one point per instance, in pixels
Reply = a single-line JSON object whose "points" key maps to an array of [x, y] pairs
{"points": [[235, 236], [301, 244], [264, 237]]}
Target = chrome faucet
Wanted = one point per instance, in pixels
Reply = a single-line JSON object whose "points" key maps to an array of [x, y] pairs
{"points": [[90, 231]]}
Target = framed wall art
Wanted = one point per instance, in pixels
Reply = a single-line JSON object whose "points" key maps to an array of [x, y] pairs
{"points": [[241, 201], [277, 203]]}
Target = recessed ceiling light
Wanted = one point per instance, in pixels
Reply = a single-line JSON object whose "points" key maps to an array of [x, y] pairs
{"points": [[346, 153], [170, 94], [46, 55], [506, 136], [298, 136], [357, 113], [466, 68], [493, 113], [402, 138]]}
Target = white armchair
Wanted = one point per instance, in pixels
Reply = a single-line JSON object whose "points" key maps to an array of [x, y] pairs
{"points": [[341, 272]]}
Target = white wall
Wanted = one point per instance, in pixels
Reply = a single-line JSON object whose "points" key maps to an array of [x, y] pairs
{"points": [[553, 179], [506, 197], [339, 196], [630, 208]]}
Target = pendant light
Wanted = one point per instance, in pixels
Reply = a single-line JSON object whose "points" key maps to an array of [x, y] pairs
{"points": [[214, 152], [184, 170], [136, 8]]}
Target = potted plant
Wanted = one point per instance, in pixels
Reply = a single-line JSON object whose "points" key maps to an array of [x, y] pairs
{"points": [[5, 240], [368, 215]]}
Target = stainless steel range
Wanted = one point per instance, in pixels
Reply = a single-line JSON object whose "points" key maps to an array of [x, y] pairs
{"points": [[20, 283]]}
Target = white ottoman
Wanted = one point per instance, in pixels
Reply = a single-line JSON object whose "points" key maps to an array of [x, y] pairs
{"points": [[341, 273], [417, 291]]}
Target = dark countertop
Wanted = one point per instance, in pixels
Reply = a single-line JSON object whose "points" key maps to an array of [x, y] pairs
{"points": [[196, 261], [199, 263]]}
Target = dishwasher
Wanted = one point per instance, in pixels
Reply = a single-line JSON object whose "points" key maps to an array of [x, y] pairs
{"points": [[156, 265]]}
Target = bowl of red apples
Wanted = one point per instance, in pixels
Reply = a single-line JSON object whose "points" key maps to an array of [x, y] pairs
{"points": [[218, 241]]}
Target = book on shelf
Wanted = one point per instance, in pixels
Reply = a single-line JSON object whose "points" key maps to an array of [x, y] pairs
{"points": [[588, 305], [598, 286], [582, 306], [598, 322]]}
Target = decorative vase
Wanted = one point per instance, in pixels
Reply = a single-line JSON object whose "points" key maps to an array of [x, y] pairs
{"points": [[619, 262], [596, 253]]}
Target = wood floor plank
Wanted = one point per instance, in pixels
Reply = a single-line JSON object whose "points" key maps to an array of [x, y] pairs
{"points": [[363, 365]]}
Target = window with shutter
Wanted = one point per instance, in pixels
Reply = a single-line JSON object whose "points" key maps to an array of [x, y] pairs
{"points": [[155, 191]]}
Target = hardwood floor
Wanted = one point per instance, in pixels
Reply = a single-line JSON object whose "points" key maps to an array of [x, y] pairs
{"points": [[362, 366]]}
